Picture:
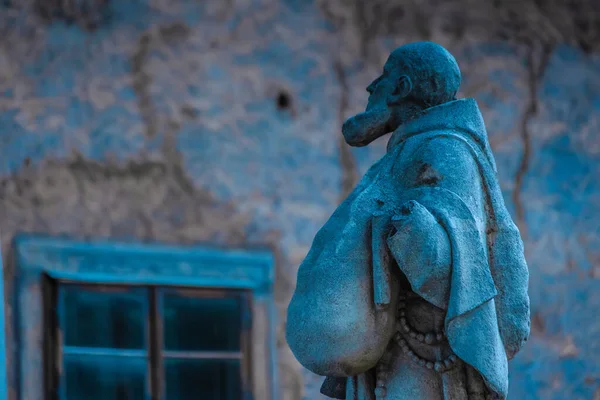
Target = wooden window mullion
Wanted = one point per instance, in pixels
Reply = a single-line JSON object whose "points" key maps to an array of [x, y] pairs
{"points": [[155, 344]]}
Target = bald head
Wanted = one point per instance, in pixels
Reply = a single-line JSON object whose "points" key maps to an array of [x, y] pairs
{"points": [[415, 77], [433, 71]]}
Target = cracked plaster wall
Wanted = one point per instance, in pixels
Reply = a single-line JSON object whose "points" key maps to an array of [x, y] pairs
{"points": [[218, 122]]}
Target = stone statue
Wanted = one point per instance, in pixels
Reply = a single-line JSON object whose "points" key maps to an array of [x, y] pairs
{"points": [[416, 287]]}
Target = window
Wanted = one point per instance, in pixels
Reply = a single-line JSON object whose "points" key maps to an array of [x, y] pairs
{"points": [[121, 322], [127, 343]]}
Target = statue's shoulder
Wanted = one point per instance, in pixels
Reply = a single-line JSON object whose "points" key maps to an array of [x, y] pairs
{"points": [[428, 158]]}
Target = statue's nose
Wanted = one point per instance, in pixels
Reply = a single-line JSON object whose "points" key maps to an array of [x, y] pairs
{"points": [[373, 85]]}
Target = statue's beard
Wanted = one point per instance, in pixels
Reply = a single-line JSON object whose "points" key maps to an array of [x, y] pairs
{"points": [[365, 127]]}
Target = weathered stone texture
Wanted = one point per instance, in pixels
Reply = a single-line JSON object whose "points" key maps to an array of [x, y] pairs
{"points": [[219, 121]]}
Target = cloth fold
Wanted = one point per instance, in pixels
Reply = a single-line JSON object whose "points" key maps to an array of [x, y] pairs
{"points": [[471, 322], [483, 286]]}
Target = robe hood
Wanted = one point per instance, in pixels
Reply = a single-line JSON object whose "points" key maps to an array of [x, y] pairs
{"points": [[459, 115]]}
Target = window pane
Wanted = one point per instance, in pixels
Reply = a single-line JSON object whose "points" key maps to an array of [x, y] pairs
{"points": [[103, 378], [103, 317], [201, 323], [202, 379]]}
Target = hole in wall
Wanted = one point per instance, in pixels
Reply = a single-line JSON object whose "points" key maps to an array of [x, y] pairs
{"points": [[284, 100]]}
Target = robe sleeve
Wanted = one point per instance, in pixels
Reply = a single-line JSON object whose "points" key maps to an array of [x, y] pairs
{"points": [[422, 250], [418, 242]]}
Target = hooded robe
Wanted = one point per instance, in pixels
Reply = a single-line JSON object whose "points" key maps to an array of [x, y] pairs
{"points": [[439, 175]]}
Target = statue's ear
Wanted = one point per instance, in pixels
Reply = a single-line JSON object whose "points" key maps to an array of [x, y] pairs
{"points": [[401, 90]]}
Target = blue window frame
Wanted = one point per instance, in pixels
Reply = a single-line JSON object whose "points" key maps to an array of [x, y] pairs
{"points": [[126, 321]]}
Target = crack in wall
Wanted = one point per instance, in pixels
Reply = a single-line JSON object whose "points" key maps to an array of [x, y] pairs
{"points": [[347, 162], [141, 83], [535, 74], [142, 80], [172, 157]]}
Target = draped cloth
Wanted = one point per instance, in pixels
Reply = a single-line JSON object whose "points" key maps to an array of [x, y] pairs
{"points": [[484, 287]]}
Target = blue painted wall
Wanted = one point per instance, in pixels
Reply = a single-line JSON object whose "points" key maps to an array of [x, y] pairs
{"points": [[219, 122]]}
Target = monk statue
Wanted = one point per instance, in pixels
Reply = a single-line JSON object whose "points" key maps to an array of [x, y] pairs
{"points": [[416, 287]]}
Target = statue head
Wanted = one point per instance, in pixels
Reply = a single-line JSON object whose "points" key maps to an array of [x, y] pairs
{"points": [[415, 77]]}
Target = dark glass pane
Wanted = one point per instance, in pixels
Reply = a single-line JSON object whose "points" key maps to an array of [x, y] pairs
{"points": [[104, 378], [103, 317], [202, 379], [200, 323]]}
